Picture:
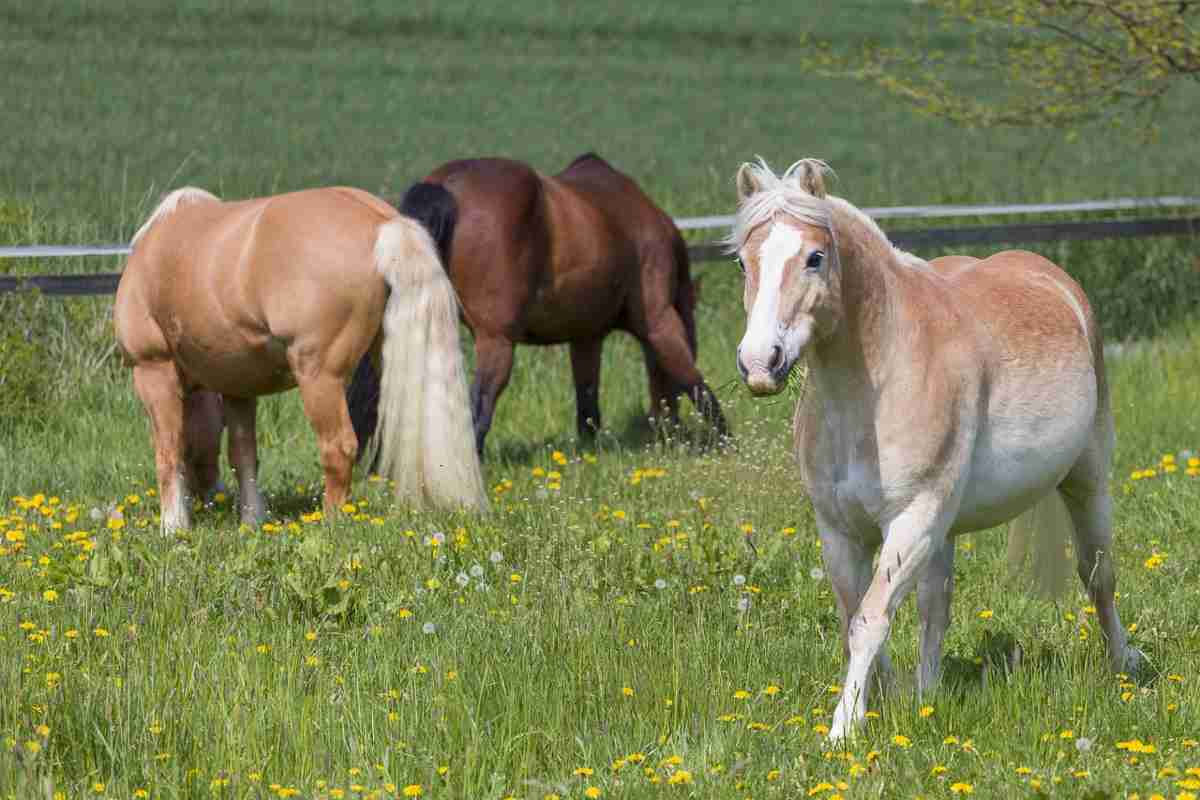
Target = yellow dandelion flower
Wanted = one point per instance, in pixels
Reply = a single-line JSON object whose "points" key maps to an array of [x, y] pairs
{"points": [[938, 769], [741, 694], [680, 777], [49, 595], [962, 788], [926, 711], [987, 613], [627, 691], [413, 790], [592, 792], [901, 740]]}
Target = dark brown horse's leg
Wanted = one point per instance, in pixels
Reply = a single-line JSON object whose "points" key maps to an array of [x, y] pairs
{"points": [[157, 384], [664, 392], [493, 367], [585, 368], [669, 343], [240, 415], [202, 425], [325, 407]]}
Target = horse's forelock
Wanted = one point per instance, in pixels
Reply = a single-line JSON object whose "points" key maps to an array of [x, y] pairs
{"points": [[799, 193]]}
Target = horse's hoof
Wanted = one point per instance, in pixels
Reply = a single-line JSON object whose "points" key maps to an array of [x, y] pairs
{"points": [[1131, 662]]}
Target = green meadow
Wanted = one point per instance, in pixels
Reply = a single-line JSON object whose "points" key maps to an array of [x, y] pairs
{"points": [[647, 617]]}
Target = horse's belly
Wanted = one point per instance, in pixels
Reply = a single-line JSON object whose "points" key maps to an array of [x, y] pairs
{"points": [[1010, 474], [239, 369], [574, 307]]}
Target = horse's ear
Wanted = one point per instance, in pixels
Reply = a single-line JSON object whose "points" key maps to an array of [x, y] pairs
{"points": [[810, 174], [748, 180]]}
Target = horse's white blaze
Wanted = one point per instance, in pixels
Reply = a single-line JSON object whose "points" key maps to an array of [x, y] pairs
{"points": [[765, 331]]}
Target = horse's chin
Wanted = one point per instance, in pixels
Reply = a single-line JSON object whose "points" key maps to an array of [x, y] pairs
{"points": [[765, 384]]}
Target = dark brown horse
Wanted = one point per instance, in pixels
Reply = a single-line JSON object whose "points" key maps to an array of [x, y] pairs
{"points": [[564, 259]]}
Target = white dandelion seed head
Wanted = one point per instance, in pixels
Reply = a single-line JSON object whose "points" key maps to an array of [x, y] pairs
{"points": [[462, 579], [476, 571], [660, 584], [1083, 744], [816, 573], [739, 580], [496, 557], [743, 604], [428, 628], [96, 514]]}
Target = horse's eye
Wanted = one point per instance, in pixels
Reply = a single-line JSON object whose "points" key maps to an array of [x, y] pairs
{"points": [[814, 260], [741, 264]]}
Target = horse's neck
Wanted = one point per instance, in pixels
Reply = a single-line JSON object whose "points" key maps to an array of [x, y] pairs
{"points": [[851, 364]]}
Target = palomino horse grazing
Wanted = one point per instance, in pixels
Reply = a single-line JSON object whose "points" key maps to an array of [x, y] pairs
{"points": [[569, 258], [943, 399], [248, 298]]}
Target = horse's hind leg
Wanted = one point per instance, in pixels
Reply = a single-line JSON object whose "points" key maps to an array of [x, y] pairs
{"points": [[1085, 493], [325, 407], [585, 369], [493, 367], [157, 384], [668, 341], [240, 413], [203, 423]]}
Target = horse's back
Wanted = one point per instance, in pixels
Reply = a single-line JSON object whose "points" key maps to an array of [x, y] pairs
{"points": [[225, 289], [1029, 306]]}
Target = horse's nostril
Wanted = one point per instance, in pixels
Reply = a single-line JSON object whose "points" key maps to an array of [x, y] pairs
{"points": [[776, 358]]}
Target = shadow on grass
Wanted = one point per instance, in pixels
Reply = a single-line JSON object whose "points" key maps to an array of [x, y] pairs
{"points": [[635, 433]]}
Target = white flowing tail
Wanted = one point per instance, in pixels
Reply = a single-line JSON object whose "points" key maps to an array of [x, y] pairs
{"points": [[425, 437], [1042, 533]]}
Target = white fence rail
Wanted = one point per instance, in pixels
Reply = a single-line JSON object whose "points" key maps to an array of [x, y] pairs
{"points": [[706, 223]]}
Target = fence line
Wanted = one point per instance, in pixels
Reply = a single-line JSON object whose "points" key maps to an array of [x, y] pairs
{"points": [[946, 212], [106, 282]]}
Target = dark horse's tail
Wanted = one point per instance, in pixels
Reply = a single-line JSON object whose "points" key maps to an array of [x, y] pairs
{"points": [[435, 208]]}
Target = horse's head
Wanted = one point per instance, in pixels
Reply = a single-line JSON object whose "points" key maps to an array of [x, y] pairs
{"points": [[783, 240]]}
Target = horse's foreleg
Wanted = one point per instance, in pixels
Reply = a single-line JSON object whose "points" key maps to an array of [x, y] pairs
{"points": [[848, 565], [325, 407], [909, 542], [493, 367], [933, 604], [585, 369], [157, 385], [668, 341], [1091, 515], [664, 393], [240, 413]]}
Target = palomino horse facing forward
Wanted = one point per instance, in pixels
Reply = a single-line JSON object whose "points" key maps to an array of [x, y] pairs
{"points": [[250, 298], [569, 258], [944, 398]]}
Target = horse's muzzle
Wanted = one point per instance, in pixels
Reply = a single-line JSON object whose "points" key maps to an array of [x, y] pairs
{"points": [[764, 379]]}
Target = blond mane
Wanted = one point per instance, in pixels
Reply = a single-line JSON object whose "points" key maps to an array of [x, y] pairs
{"points": [[187, 194]]}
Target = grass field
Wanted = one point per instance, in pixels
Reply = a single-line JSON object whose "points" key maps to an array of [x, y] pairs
{"points": [[642, 619]]}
